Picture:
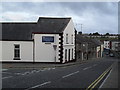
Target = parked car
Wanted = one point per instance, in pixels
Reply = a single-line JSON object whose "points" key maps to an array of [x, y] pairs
{"points": [[111, 55], [107, 53]]}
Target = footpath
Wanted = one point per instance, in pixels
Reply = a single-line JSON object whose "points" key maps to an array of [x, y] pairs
{"points": [[43, 65], [112, 80]]}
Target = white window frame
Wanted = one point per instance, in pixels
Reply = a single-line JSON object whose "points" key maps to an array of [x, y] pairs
{"points": [[72, 38], [65, 54], [67, 39], [16, 52]]}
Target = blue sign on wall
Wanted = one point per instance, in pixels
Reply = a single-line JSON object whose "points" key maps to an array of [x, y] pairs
{"points": [[47, 38]]}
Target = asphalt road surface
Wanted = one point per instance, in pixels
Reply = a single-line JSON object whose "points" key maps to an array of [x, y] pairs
{"points": [[75, 76]]}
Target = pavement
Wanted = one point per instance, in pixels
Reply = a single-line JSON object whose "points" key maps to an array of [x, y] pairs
{"points": [[44, 65], [112, 80]]}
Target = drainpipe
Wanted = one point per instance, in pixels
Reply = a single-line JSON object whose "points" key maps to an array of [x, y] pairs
{"points": [[33, 49], [55, 47]]}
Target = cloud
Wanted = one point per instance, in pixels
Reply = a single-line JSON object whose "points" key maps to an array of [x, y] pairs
{"points": [[18, 16], [95, 16]]}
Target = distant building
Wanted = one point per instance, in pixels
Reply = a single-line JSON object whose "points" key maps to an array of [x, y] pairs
{"points": [[115, 45], [103, 36], [107, 44], [87, 48], [48, 40]]}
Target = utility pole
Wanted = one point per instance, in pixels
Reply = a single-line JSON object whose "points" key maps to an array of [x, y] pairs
{"points": [[81, 27]]}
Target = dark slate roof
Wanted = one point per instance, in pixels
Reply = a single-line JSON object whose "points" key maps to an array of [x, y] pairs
{"points": [[52, 25], [93, 42], [81, 39], [17, 31], [96, 42], [23, 31]]}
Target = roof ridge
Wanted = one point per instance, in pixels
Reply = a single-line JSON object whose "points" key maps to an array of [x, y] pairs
{"points": [[18, 22], [55, 17]]}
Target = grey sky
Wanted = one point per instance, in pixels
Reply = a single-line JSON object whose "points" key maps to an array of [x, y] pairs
{"points": [[99, 17]]}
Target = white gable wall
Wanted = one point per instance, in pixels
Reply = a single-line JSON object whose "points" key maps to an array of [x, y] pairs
{"points": [[26, 51], [44, 52], [70, 31]]}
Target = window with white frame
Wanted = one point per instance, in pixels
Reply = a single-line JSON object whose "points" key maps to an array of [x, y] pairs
{"points": [[72, 38], [16, 51], [72, 53], [66, 38], [65, 54]]}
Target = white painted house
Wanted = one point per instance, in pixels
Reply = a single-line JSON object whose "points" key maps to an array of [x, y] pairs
{"points": [[115, 45], [107, 44], [48, 40]]}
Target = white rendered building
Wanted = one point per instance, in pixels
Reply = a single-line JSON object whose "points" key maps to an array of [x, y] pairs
{"points": [[107, 44], [48, 40], [115, 45]]}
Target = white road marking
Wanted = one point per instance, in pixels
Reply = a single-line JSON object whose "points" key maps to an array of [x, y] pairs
{"points": [[45, 68], [95, 65], [6, 72], [38, 71], [42, 70], [87, 68], [39, 85], [7, 77], [30, 72], [25, 73], [33, 71], [105, 79], [70, 74], [48, 68], [53, 68], [3, 69], [18, 73]]}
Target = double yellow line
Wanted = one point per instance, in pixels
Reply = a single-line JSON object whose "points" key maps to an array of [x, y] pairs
{"points": [[92, 85]]}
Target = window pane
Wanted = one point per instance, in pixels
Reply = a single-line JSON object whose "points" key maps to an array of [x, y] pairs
{"points": [[65, 54], [66, 38], [72, 39], [17, 46], [16, 51]]}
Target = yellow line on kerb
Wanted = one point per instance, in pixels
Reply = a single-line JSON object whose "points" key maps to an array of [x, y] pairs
{"points": [[92, 85]]}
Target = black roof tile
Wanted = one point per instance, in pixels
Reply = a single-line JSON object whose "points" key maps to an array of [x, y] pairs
{"points": [[23, 31]]}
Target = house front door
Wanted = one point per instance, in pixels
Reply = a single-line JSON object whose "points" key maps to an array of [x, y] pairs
{"points": [[69, 55]]}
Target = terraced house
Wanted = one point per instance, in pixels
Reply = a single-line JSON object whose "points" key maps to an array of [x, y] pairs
{"points": [[88, 48], [47, 40]]}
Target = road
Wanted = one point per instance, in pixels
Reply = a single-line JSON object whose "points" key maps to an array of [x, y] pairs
{"points": [[75, 76]]}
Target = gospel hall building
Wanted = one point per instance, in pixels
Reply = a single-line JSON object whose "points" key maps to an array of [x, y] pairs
{"points": [[47, 40]]}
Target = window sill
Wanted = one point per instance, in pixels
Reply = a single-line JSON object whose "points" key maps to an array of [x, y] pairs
{"points": [[48, 43], [16, 59]]}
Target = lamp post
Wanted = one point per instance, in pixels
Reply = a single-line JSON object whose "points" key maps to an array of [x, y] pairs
{"points": [[81, 27]]}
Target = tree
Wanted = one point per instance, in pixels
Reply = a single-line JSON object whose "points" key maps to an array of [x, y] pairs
{"points": [[107, 34], [90, 34], [96, 33]]}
